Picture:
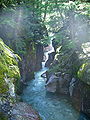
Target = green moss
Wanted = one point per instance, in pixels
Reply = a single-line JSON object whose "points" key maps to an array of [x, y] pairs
{"points": [[3, 117], [84, 73], [8, 67]]}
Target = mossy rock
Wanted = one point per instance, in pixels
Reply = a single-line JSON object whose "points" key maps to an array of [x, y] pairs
{"points": [[9, 71], [3, 117], [84, 73]]}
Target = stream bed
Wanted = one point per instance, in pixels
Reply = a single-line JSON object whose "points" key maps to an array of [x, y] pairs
{"points": [[50, 106]]}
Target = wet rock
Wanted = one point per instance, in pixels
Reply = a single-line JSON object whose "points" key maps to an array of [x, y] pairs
{"points": [[50, 59], [43, 75], [76, 78], [58, 82], [51, 84], [23, 111]]}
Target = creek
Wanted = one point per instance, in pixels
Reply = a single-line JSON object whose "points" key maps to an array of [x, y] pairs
{"points": [[49, 105]]}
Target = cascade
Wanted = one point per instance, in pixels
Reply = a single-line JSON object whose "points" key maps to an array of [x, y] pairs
{"points": [[50, 106], [47, 51]]}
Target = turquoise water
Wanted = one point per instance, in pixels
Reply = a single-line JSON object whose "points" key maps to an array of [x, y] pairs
{"points": [[49, 106]]}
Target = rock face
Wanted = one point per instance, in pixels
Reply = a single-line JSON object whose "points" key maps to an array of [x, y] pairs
{"points": [[24, 111], [51, 84], [31, 62], [70, 75], [58, 83], [81, 97], [9, 71], [9, 78], [81, 90], [9, 81]]}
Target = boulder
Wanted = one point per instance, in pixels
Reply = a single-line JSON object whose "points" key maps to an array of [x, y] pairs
{"points": [[51, 84], [23, 111], [58, 82]]}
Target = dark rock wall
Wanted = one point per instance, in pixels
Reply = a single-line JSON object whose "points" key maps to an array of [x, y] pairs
{"points": [[66, 81], [81, 97], [39, 57], [31, 62]]}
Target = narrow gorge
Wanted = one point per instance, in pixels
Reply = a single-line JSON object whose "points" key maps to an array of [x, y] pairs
{"points": [[44, 60], [50, 106]]}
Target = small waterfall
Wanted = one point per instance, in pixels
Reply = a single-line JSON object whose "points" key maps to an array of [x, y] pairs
{"points": [[47, 50], [49, 106]]}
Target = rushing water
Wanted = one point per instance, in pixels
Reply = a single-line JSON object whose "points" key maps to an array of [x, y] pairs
{"points": [[50, 106]]}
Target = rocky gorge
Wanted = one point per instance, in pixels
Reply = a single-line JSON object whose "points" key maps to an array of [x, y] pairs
{"points": [[10, 105], [44, 60], [62, 81]]}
